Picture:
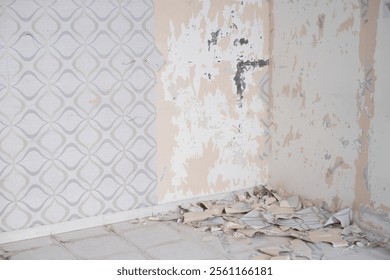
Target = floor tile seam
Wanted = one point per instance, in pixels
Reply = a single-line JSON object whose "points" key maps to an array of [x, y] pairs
{"points": [[62, 245], [58, 236], [12, 252], [120, 234], [202, 245]]}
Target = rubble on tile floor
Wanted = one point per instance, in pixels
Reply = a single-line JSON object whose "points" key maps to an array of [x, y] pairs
{"points": [[263, 212]]}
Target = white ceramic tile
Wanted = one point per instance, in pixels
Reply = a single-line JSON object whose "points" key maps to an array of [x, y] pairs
{"points": [[380, 253], [152, 234], [124, 226], [99, 247], [127, 256], [28, 244], [184, 250], [53, 252], [82, 234]]}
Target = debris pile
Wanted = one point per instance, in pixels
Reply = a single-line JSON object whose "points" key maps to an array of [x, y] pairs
{"points": [[263, 212]]}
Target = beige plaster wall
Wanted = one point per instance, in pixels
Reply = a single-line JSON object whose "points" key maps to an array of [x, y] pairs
{"points": [[212, 106]]}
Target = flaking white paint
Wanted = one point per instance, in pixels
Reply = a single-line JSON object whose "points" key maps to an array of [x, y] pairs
{"points": [[207, 116]]}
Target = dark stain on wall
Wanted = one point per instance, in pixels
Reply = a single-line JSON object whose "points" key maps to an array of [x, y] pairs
{"points": [[214, 38], [242, 41], [239, 79]]}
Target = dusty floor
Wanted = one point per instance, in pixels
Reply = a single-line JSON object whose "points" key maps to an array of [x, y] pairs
{"points": [[145, 239]]}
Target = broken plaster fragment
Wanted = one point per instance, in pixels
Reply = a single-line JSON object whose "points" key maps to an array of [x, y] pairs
{"points": [[212, 221], [217, 209], [197, 216], [205, 204], [294, 202], [329, 235], [248, 232], [191, 207], [344, 217], [232, 225], [270, 200], [277, 210], [254, 219], [281, 258], [261, 256], [275, 250], [300, 248], [238, 207]]}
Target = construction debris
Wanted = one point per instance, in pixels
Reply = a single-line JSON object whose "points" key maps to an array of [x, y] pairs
{"points": [[264, 212]]}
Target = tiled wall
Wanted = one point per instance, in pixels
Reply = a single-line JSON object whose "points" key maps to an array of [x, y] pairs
{"points": [[77, 114]]}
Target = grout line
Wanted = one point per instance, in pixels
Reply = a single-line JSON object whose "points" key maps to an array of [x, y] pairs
{"points": [[59, 243], [119, 234]]}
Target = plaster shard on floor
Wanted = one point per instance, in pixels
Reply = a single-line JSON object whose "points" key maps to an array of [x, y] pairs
{"points": [[344, 217], [196, 216], [329, 235]]}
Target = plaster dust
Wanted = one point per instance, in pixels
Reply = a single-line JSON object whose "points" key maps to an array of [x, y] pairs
{"points": [[208, 127]]}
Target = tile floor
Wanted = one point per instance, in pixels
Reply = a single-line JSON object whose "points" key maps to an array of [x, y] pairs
{"points": [[162, 240]]}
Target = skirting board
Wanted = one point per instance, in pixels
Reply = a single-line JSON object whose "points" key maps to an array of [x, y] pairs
{"points": [[40, 231]]}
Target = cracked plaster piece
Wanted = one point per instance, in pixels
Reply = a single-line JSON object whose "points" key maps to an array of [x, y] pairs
{"points": [[196, 216], [238, 208], [170, 216], [255, 219], [214, 221], [305, 219], [344, 217], [287, 257], [329, 235], [191, 207], [275, 250], [261, 256], [300, 248], [351, 229], [232, 225]]}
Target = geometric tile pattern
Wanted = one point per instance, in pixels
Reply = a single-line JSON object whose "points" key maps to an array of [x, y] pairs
{"points": [[77, 114]]}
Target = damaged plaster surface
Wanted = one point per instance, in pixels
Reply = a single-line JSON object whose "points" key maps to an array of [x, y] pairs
{"points": [[314, 127], [212, 96], [329, 118]]}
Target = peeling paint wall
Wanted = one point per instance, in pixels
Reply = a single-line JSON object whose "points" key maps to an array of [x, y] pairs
{"points": [[328, 104], [315, 67], [212, 106], [373, 201]]}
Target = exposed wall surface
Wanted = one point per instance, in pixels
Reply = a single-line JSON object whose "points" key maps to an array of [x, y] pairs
{"points": [[213, 96], [315, 71], [373, 202], [328, 104], [77, 134]]}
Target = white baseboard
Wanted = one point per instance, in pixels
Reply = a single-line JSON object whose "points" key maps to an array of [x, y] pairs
{"points": [[40, 231]]}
